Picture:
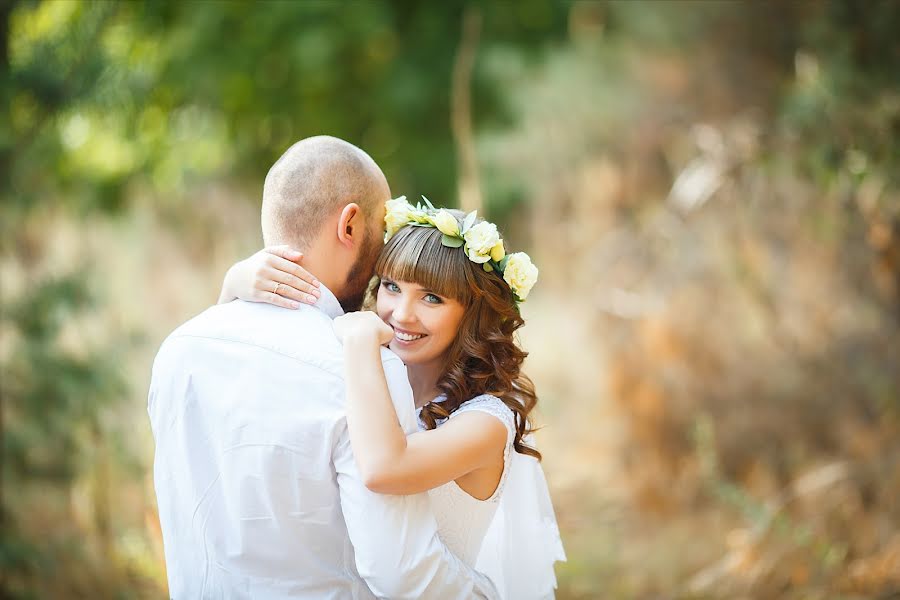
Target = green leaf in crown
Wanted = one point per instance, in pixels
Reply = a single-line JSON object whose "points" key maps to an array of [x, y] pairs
{"points": [[451, 242]]}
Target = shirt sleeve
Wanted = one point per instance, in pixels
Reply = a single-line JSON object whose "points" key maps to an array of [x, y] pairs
{"points": [[401, 394], [397, 549]]}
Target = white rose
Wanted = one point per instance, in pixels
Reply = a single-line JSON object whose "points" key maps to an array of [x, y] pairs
{"points": [[520, 273], [446, 223], [397, 214], [480, 239]]}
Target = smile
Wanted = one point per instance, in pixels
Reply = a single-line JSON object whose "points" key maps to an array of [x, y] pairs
{"points": [[404, 336]]}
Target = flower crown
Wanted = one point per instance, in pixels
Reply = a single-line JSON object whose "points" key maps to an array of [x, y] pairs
{"points": [[480, 241]]}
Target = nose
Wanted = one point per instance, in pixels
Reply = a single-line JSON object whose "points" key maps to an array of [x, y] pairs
{"points": [[404, 311]]}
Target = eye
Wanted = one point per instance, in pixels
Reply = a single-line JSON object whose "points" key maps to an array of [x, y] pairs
{"points": [[390, 286], [432, 299]]}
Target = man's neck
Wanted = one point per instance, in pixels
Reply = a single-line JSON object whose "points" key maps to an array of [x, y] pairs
{"points": [[323, 269]]}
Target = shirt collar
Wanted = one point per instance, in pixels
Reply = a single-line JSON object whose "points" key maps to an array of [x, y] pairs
{"points": [[328, 303]]}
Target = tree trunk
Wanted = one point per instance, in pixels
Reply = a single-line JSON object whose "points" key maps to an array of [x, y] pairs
{"points": [[468, 186]]}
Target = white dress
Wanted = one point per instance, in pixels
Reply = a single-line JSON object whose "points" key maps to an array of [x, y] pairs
{"points": [[512, 536]]}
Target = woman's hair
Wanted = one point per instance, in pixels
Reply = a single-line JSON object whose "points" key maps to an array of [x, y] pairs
{"points": [[484, 357]]}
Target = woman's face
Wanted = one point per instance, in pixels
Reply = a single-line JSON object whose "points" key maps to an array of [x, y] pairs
{"points": [[424, 323]]}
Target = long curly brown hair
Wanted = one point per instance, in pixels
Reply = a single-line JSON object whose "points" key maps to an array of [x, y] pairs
{"points": [[484, 358]]}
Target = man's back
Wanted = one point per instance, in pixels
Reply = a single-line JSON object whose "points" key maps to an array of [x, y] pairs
{"points": [[246, 406]]}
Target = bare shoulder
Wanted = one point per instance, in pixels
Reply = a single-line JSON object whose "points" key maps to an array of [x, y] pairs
{"points": [[477, 429], [488, 404]]}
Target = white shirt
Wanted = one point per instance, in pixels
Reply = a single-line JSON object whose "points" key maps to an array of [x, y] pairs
{"points": [[259, 495]]}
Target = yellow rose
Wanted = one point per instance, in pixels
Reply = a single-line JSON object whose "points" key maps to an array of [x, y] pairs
{"points": [[446, 223], [520, 274], [480, 239], [397, 214], [498, 252]]}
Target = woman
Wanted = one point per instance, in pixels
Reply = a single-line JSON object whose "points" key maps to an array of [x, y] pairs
{"points": [[447, 305]]}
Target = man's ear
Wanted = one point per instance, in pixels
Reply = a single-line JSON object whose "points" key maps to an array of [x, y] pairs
{"points": [[349, 226]]}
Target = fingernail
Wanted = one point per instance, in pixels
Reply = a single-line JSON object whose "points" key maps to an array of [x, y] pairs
{"points": [[316, 293], [296, 254], [316, 282], [312, 299], [294, 304]]}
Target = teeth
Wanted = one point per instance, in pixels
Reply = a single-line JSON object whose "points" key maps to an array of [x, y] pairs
{"points": [[406, 337]]}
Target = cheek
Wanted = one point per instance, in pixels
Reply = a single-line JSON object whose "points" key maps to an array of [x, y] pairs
{"points": [[382, 303], [447, 326]]}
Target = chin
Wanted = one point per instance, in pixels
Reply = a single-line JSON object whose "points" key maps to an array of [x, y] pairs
{"points": [[408, 358], [397, 350]]}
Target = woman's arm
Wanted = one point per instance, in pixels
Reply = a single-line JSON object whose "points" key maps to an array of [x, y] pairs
{"points": [[272, 275], [389, 462]]}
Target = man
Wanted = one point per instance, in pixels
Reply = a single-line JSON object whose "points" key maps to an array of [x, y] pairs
{"points": [[259, 495]]}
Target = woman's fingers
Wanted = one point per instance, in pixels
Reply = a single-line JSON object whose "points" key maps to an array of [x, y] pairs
{"points": [[278, 300], [363, 326], [286, 259], [280, 275], [284, 251], [289, 286], [292, 269]]}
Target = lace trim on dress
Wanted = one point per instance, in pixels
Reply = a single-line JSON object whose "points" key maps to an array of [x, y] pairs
{"points": [[493, 405]]}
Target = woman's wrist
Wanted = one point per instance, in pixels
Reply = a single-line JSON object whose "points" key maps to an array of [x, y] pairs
{"points": [[360, 339]]}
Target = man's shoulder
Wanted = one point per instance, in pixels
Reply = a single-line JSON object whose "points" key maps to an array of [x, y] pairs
{"points": [[241, 316], [305, 334], [388, 357]]}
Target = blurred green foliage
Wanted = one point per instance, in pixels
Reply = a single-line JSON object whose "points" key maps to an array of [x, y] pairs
{"points": [[53, 399], [101, 94]]}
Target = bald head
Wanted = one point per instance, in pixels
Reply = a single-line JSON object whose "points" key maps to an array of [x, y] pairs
{"points": [[313, 180]]}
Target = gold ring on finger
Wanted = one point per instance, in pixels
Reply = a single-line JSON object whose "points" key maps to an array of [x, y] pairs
{"points": [[275, 291]]}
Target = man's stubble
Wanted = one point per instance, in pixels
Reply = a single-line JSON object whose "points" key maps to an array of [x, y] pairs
{"points": [[361, 272]]}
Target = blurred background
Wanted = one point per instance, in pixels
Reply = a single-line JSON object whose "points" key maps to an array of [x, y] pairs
{"points": [[710, 190]]}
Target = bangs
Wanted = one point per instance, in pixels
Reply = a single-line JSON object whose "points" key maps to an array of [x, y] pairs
{"points": [[416, 255]]}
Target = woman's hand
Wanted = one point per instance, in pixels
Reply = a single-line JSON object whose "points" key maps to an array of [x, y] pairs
{"points": [[362, 327], [272, 275]]}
